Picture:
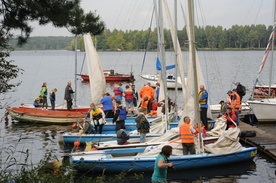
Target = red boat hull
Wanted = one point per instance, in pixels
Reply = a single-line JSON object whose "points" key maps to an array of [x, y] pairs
{"points": [[110, 76], [27, 114]]}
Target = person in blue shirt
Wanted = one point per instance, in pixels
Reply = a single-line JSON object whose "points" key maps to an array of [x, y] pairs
{"points": [[161, 165], [107, 103], [203, 104]]}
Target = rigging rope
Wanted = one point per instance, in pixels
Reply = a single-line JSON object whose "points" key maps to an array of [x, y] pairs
{"points": [[147, 41]]}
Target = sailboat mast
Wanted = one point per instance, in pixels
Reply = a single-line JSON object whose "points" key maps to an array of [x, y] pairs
{"points": [[76, 64], [272, 54], [196, 106], [175, 42], [163, 59]]}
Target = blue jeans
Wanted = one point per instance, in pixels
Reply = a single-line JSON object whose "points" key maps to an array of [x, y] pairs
{"points": [[142, 137]]}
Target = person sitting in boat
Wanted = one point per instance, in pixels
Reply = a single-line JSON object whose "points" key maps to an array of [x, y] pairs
{"points": [[97, 117], [82, 126], [38, 101], [122, 136], [118, 92], [187, 132], [107, 103], [120, 116], [230, 116], [223, 107]]}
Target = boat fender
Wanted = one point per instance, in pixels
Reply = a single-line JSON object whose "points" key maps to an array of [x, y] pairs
{"points": [[246, 133]]}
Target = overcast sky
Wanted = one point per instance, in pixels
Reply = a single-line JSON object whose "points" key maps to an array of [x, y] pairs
{"points": [[136, 14]]}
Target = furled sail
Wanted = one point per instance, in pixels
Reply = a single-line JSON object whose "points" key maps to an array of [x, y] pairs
{"points": [[95, 71]]}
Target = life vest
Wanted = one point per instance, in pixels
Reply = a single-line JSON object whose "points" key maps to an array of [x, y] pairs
{"points": [[185, 134], [43, 91], [144, 104], [129, 94], [117, 92], [203, 131], [96, 113], [204, 101], [238, 101], [122, 114], [154, 106]]}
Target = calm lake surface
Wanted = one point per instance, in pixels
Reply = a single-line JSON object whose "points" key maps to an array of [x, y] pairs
{"points": [[220, 70]]}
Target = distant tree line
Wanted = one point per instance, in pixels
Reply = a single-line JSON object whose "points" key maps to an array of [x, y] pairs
{"points": [[209, 37]]}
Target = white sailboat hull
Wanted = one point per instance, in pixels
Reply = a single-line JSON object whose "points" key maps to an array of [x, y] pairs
{"points": [[264, 109], [153, 79]]}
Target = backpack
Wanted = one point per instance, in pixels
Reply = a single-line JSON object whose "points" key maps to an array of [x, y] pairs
{"points": [[146, 124], [243, 90], [137, 120]]}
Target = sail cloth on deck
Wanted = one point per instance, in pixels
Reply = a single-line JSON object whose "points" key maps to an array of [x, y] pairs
{"points": [[95, 71], [228, 142]]}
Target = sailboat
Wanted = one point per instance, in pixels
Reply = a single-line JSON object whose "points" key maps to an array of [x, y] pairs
{"points": [[111, 76], [263, 101], [59, 115], [114, 160]]}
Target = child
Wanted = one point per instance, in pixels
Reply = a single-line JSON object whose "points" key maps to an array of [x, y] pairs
{"points": [[53, 98]]}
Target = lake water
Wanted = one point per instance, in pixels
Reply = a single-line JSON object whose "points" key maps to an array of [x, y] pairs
{"points": [[58, 67]]}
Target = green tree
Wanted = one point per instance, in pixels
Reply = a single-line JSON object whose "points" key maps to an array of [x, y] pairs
{"points": [[16, 15]]}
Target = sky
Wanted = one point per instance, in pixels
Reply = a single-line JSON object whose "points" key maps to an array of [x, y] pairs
{"points": [[136, 14]]}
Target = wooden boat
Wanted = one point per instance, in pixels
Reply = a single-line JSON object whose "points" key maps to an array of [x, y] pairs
{"points": [[110, 76], [38, 115]]}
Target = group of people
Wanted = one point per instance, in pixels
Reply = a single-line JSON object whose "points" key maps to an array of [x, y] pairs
{"points": [[41, 100], [231, 108], [130, 94]]}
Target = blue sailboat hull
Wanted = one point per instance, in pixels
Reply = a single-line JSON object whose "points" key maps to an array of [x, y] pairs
{"points": [[146, 163]]}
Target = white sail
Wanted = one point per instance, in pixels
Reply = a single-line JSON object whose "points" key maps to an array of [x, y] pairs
{"points": [[96, 76], [176, 45]]}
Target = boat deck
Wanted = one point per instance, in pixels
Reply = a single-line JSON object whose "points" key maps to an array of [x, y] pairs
{"points": [[265, 142]]}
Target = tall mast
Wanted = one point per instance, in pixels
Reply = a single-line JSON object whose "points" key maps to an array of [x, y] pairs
{"points": [[272, 54], [195, 94], [76, 64], [163, 60]]}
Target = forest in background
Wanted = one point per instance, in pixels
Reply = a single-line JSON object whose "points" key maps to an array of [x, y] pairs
{"points": [[208, 38]]}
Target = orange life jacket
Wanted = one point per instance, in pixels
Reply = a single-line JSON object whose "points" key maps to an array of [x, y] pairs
{"points": [[185, 134], [235, 104], [144, 104]]}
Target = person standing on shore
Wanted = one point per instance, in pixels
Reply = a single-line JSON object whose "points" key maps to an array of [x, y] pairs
{"points": [[68, 96], [44, 93]]}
